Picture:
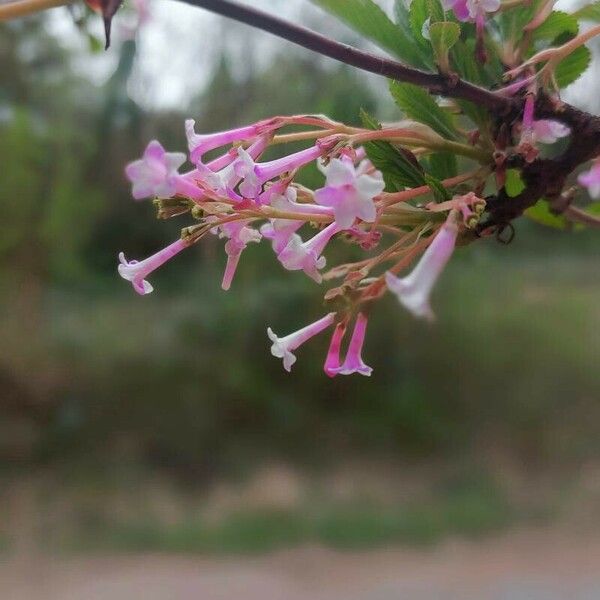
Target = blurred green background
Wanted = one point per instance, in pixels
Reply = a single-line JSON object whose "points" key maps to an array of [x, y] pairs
{"points": [[163, 423]]}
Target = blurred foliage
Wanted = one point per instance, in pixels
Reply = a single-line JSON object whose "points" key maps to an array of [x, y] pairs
{"points": [[183, 380]]}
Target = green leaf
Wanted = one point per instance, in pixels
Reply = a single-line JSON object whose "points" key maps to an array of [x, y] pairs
{"points": [[558, 23], [443, 165], [593, 208], [400, 168], [443, 36], [573, 66], [368, 19], [514, 184], [540, 213], [591, 12], [417, 104], [513, 21], [419, 12]]}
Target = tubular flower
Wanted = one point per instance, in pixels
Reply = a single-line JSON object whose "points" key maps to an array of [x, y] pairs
{"points": [[349, 192], [332, 360], [306, 256], [354, 362], [240, 235], [414, 290], [256, 174], [199, 144], [155, 174], [546, 131], [136, 272], [591, 180], [280, 231], [284, 347]]}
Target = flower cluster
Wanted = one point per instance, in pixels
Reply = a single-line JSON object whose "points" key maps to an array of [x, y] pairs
{"points": [[242, 199]]}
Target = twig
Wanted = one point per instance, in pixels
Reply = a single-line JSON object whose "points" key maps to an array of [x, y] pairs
{"points": [[434, 82]]}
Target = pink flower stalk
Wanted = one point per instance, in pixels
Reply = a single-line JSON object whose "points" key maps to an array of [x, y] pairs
{"points": [[591, 180], [306, 256], [284, 347], [349, 193], [155, 174], [332, 361], [199, 145], [414, 290], [353, 362], [136, 272], [240, 235]]}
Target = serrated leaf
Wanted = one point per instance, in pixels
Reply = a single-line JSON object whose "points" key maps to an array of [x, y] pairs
{"points": [[419, 105], [573, 66], [591, 12], [421, 11], [443, 35], [540, 213], [399, 167], [558, 23], [443, 165], [513, 21], [368, 19]]}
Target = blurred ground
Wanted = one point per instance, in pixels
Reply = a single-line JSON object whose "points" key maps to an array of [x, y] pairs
{"points": [[521, 565]]}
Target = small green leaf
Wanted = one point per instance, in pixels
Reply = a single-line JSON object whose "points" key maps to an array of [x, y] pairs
{"points": [[557, 24], [540, 213], [443, 35], [573, 66], [368, 19], [514, 184], [419, 105]]}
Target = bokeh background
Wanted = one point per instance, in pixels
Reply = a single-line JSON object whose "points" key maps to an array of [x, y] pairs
{"points": [[162, 424]]}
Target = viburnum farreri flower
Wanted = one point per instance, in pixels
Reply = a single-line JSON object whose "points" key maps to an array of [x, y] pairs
{"points": [[413, 291], [349, 192], [283, 347], [136, 272], [156, 173], [591, 180]]}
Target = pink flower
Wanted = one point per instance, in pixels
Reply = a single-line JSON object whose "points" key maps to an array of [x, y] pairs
{"points": [[280, 231], [332, 361], [460, 8], [199, 145], [350, 193], [240, 235], [591, 180], [354, 362], [306, 256], [256, 174], [546, 131], [223, 181], [136, 272], [284, 347], [155, 174], [414, 290], [469, 10]]}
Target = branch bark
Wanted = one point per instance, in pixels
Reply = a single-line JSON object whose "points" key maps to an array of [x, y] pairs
{"points": [[436, 83]]}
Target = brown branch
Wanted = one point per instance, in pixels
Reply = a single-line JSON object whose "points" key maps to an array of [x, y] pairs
{"points": [[434, 82]]}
